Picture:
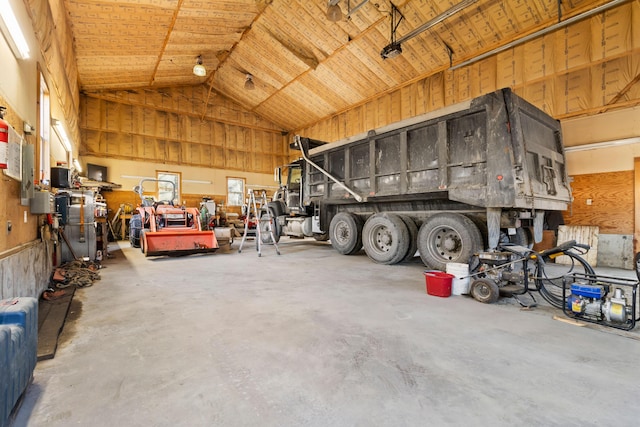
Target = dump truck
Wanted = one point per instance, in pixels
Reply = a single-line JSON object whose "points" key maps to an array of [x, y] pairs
{"points": [[446, 184]]}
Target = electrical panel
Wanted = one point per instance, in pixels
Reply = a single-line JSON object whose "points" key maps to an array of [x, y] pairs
{"points": [[43, 202], [26, 186]]}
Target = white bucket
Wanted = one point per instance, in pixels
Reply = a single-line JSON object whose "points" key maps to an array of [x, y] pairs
{"points": [[459, 285]]}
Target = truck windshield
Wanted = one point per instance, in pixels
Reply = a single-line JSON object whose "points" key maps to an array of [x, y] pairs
{"points": [[294, 178]]}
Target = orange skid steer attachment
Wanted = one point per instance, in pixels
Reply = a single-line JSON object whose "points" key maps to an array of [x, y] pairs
{"points": [[173, 242]]}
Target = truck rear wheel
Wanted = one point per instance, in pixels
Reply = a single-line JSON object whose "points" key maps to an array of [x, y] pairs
{"points": [[321, 237], [345, 233], [520, 238], [449, 237], [413, 237], [385, 238]]}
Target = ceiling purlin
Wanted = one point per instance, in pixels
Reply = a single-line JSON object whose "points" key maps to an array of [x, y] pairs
{"points": [[261, 6], [166, 41], [254, 57], [333, 56]]}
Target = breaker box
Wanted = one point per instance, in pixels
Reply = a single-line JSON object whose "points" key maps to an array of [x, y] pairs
{"points": [[43, 202]]}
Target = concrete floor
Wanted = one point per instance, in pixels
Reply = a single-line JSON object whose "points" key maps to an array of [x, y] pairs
{"points": [[315, 338]]}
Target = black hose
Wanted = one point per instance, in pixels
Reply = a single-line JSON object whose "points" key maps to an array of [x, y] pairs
{"points": [[550, 297]]}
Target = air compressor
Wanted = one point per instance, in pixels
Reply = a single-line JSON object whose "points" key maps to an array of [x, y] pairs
{"points": [[604, 300]]}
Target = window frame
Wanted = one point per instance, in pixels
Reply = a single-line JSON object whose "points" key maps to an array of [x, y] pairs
{"points": [[159, 176], [242, 193], [43, 141]]}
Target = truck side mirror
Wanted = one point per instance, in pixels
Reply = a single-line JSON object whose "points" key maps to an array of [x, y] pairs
{"points": [[278, 175]]}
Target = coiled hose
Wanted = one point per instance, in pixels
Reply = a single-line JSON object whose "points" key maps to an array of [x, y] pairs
{"points": [[551, 288]]}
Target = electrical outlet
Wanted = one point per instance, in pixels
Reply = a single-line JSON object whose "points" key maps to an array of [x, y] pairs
{"points": [[9, 226]]}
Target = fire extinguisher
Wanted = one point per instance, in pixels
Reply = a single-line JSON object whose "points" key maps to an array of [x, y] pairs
{"points": [[4, 140]]}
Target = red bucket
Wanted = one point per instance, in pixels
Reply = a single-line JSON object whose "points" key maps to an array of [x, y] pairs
{"points": [[438, 283]]}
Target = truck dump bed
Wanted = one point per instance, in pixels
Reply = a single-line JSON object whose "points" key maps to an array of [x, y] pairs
{"points": [[496, 151]]}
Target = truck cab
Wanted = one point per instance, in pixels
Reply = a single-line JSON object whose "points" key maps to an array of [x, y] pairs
{"points": [[293, 217], [290, 193]]}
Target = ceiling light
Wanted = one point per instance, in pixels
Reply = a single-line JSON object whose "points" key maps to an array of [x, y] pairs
{"points": [[334, 13], [199, 69], [391, 51], [248, 83], [12, 31]]}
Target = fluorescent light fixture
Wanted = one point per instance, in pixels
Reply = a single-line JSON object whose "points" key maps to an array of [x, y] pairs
{"points": [[12, 31], [62, 134], [196, 181], [76, 164], [137, 177], [600, 145]]}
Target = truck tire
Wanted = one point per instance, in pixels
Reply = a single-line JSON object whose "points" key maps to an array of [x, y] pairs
{"points": [[265, 224], [135, 225], [448, 237], [413, 237], [385, 238], [345, 233], [520, 238], [321, 237]]}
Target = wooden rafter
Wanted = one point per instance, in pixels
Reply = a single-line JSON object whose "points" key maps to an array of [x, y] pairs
{"points": [[166, 41], [624, 90]]}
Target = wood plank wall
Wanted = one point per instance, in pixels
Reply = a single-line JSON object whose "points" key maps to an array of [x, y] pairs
{"points": [[10, 209], [612, 202], [184, 125]]}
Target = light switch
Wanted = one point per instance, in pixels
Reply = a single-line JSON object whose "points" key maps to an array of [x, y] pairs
{"points": [[589, 202]]}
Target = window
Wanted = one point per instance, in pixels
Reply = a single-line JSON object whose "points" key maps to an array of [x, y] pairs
{"points": [[43, 150], [235, 191], [165, 189]]}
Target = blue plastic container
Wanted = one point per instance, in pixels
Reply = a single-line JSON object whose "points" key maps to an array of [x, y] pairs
{"points": [[19, 350], [6, 402]]}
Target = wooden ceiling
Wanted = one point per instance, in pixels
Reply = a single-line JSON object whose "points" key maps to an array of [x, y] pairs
{"points": [[305, 67]]}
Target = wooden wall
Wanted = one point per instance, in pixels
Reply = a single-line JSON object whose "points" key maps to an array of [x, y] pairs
{"points": [[612, 202], [185, 125], [10, 209], [115, 199]]}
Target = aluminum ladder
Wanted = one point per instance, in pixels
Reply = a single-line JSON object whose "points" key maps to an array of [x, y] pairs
{"points": [[265, 221]]}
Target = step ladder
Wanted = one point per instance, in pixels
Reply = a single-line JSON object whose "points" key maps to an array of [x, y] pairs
{"points": [[265, 223]]}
